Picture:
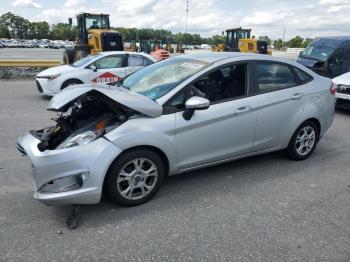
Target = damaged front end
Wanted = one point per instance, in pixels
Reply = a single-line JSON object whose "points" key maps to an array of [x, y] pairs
{"points": [[83, 120], [70, 159]]}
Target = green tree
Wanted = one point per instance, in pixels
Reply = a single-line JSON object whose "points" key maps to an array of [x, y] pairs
{"points": [[295, 42], [306, 42], [278, 44], [63, 31], [217, 39], [4, 32]]}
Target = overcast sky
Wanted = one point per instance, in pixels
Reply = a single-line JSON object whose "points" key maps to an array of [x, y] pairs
{"points": [[308, 18]]}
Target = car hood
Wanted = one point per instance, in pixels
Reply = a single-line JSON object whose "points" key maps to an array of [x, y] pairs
{"points": [[309, 63], [343, 79], [135, 101], [56, 70]]}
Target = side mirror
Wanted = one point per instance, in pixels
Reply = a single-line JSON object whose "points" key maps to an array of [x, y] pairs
{"points": [[93, 68], [195, 103]]}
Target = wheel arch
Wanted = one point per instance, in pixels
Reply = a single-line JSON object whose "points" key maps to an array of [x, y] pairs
{"points": [[157, 150], [70, 79]]}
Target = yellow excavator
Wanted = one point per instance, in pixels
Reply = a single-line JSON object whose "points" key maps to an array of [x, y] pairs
{"points": [[239, 40], [94, 36]]}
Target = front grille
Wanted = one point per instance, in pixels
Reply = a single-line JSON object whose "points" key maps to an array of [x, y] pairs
{"points": [[21, 150], [342, 89], [39, 86]]}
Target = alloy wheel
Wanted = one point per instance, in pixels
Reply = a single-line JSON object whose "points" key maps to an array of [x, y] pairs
{"points": [[137, 178], [305, 140]]}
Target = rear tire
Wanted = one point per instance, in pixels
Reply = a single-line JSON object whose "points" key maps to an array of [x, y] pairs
{"points": [[135, 177], [303, 141], [71, 82]]}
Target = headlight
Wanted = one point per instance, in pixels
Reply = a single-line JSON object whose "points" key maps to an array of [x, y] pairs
{"points": [[50, 77], [84, 137]]}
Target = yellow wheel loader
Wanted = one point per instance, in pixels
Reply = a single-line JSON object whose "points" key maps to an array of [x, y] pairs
{"points": [[94, 36], [239, 40]]}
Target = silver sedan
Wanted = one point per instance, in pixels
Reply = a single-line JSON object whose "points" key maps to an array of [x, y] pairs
{"points": [[181, 114]]}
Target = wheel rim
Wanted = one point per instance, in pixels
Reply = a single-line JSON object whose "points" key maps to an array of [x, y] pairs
{"points": [[305, 140], [137, 178]]}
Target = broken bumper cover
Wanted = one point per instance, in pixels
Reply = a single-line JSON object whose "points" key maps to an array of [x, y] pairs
{"points": [[68, 176]]}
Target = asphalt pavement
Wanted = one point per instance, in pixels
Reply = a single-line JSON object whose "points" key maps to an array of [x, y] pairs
{"points": [[264, 208]]}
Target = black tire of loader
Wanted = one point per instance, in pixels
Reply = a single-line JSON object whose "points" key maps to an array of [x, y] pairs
{"points": [[68, 56]]}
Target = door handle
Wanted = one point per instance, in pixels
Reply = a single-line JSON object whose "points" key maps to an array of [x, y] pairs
{"points": [[243, 109], [297, 96]]}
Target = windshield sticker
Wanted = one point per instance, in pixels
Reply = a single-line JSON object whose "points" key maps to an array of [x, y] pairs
{"points": [[191, 65]]}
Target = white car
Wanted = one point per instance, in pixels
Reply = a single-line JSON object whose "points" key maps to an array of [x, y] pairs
{"points": [[343, 89], [105, 67]]}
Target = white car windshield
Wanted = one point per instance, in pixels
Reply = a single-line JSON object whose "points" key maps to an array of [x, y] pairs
{"points": [[160, 78], [85, 60]]}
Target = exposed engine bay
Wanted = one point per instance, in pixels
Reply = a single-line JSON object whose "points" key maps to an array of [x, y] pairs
{"points": [[92, 112]]}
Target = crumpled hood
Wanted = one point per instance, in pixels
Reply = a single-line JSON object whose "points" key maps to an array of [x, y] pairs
{"points": [[56, 70], [135, 101], [309, 63], [343, 79]]}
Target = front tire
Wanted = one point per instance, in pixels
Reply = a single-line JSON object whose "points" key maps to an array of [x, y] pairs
{"points": [[135, 177], [303, 141]]}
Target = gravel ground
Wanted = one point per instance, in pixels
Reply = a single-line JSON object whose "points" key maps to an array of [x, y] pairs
{"points": [[265, 208]]}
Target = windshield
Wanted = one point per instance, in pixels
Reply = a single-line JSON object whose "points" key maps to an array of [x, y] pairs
{"points": [[96, 22], [160, 78], [320, 53], [85, 60]]}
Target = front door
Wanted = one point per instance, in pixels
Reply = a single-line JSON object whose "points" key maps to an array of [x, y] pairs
{"points": [[109, 69], [226, 129]]}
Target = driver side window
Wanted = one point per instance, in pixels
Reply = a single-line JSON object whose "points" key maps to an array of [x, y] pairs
{"points": [[227, 83]]}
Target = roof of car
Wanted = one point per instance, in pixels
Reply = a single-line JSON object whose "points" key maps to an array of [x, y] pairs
{"points": [[331, 41], [213, 57], [127, 52]]}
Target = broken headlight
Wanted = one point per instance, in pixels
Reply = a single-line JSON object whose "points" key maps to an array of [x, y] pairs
{"points": [[84, 137]]}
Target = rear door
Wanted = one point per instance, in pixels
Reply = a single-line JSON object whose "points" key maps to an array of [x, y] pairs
{"points": [[279, 96], [109, 69]]}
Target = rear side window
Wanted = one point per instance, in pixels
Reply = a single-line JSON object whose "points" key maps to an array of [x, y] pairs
{"points": [[273, 77], [135, 60], [303, 77]]}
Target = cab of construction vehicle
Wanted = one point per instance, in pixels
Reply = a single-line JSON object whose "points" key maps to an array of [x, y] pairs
{"points": [[327, 56], [235, 36]]}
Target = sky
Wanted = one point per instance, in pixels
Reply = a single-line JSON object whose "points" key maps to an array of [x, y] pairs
{"points": [[307, 18]]}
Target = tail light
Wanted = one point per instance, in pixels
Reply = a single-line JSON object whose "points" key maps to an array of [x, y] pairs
{"points": [[333, 89]]}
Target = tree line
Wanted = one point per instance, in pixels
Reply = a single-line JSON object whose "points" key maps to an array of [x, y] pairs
{"points": [[17, 27]]}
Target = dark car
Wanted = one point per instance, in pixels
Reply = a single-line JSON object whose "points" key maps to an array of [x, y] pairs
{"points": [[327, 56]]}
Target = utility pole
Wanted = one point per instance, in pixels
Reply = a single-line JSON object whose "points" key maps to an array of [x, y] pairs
{"points": [[187, 2], [284, 36]]}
